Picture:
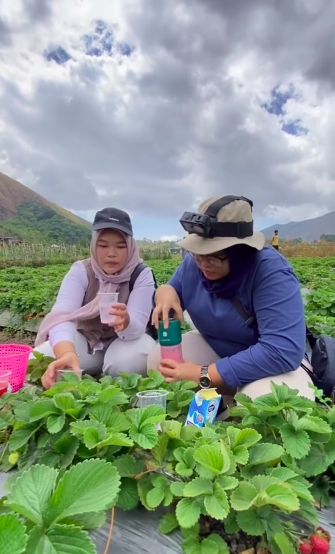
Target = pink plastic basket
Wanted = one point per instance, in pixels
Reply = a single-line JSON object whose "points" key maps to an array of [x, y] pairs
{"points": [[15, 357]]}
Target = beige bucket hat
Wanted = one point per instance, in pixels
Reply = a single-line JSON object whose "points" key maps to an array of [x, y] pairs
{"points": [[237, 211]]}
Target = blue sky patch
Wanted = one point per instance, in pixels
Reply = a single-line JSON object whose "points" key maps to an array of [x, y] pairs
{"points": [[102, 42], [58, 55], [276, 106], [294, 128], [278, 100], [125, 49]]}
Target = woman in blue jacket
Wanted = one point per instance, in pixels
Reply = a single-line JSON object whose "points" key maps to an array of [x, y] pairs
{"points": [[244, 301]]}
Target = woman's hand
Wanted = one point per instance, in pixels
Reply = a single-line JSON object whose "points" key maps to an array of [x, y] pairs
{"points": [[121, 315], [166, 299], [187, 371], [173, 371], [66, 360]]}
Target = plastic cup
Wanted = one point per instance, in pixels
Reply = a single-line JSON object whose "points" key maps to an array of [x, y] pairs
{"points": [[106, 301], [61, 373], [151, 397], [5, 377]]}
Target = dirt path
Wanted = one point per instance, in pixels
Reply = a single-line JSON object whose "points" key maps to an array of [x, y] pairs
{"points": [[21, 337]]}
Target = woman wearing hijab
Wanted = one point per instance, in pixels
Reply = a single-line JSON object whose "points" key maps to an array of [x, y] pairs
{"points": [[76, 336], [244, 301]]}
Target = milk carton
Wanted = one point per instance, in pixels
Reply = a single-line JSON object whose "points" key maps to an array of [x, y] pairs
{"points": [[203, 408]]}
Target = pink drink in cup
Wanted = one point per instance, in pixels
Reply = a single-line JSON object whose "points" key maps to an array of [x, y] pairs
{"points": [[5, 376], [170, 341], [106, 301]]}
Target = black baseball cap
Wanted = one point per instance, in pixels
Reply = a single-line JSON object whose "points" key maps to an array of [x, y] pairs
{"points": [[112, 218]]}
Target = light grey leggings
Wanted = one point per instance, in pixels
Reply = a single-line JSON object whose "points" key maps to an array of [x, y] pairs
{"points": [[198, 351], [120, 356]]}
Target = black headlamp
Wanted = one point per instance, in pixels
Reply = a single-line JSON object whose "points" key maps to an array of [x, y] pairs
{"points": [[206, 225], [200, 224]]}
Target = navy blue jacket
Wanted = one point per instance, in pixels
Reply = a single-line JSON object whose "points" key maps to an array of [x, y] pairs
{"points": [[274, 343]]}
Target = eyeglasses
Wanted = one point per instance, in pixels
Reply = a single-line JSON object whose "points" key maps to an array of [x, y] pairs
{"points": [[215, 260]]}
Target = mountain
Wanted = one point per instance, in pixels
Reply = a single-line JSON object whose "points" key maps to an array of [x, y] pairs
{"points": [[308, 230], [26, 215]]}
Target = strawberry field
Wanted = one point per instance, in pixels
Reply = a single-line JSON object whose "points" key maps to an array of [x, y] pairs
{"points": [[30, 292], [85, 454]]}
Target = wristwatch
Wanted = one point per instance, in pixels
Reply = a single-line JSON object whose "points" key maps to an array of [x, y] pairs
{"points": [[205, 380]]}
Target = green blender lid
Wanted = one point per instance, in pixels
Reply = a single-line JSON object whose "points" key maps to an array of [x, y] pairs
{"points": [[170, 336]]}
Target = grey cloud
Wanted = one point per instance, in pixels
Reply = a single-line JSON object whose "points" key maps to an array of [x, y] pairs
{"points": [[39, 10], [85, 139], [179, 130], [5, 33], [289, 36]]}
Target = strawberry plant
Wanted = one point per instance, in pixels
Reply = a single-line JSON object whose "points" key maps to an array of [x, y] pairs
{"points": [[243, 478], [47, 511], [234, 481], [72, 421], [305, 429]]}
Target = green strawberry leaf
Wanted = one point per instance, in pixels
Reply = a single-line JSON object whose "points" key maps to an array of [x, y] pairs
{"points": [[168, 523], [315, 424], [214, 544], [155, 497], [241, 455], [42, 409], [146, 438], [13, 537], [296, 442], [128, 466], [66, 402], [31, 491], [217, 505], [113, 396], [242, 437], [177, 488], [92, 485], [91, 520], [265, 453], [281, 496], [198, 486], [187, 512], [284, 544], [55, 423], [244, 496], [20, 437], [214, 457], [60, 539], [128, 498], [251, 522]]}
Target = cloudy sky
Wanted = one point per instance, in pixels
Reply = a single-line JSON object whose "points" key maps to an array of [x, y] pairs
{"points": [[153, 105]]}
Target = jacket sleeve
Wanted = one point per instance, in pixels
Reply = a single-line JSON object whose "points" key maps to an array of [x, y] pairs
{"points": [[176, 281], [70, 297], [279, 313]]}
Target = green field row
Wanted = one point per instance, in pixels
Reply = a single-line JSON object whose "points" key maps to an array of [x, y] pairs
{"points": [[30, 292]]}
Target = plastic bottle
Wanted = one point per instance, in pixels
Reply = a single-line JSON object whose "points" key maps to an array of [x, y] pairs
{"points": [[170, 341]]}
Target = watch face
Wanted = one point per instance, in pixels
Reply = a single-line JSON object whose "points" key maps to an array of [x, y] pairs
{"points": [[205, 382]]}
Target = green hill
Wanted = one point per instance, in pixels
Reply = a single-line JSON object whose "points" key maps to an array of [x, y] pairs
{"points": [[29, 217]]}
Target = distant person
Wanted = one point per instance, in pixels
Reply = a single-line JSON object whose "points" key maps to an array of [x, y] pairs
{"points": [[76, 336], [245, 303], [275, 241]]}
